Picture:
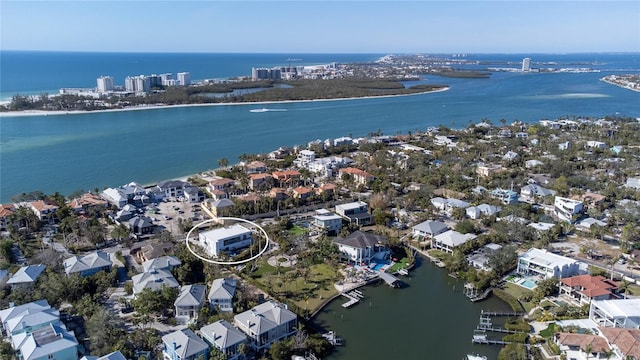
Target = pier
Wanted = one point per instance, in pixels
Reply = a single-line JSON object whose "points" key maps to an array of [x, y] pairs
{"points": [[501, 330], [390, 279], [489, 342], [354, 297], [499, 313]]}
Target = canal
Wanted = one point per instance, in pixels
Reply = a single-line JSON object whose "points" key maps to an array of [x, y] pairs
{"points": [[429, 318]]}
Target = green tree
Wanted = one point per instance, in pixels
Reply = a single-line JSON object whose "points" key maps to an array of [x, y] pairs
{"points": [[503, 260], [513, 352]]}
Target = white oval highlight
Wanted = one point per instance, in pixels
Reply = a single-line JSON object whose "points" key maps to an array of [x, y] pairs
{"points": [[220, 262]]}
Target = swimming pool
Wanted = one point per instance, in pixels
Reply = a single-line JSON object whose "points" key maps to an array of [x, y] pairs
{"points": [[378, 266], [528, 283]]}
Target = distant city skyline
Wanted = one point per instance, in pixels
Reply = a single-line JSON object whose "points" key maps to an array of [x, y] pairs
{"points": [[322, 26]]}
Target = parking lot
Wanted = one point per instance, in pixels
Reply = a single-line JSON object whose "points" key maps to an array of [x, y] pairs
{"points": [[167, 214]]}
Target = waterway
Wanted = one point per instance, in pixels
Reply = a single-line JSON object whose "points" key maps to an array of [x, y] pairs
{"points": [[430, 318]]}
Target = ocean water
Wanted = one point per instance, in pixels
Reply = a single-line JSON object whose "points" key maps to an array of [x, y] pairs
{"points": [[67, 153]]}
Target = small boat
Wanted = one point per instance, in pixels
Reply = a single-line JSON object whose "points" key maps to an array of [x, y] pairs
{"points": [[259, 110], [475, 357]]}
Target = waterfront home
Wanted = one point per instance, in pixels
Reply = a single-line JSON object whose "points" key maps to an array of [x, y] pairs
{"points": [[6, 210], [536, 262], [625, 343], [531, 192], [260, 181], [221, 294], [154, 280], [224, 337], [87, 202], [575, 345], [87, 265], [585, 288], [255, 167], [126, 213], [225, 239], [25, 277], [326, 167], [49, 342], [567, 209], [506, 196], [287, 178], [358, 176], [189, 302], [184, 345], [219, 188], [621, 313], [428, 229], [476, 212], [304, 157], [326, 221], [360, 248], [479, 259], [267, 323], [449, 240], [172, 188], [162, 263], [355, 212], [45, 211]]}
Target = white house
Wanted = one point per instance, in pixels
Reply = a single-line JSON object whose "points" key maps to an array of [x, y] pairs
{"points": [[565, 208], [360, 247], [633, 183], [224, 337], [161, 263], [189, 302], [428, 229], [153, 280], [267, 323], [542, 263], [26, 276], [221, 294], [596, 144], [87, 265], [449, 240], [532, 191], [184, 345], [355, 212], [225, 239], [327, 221], [621, 313], [476, 212]]}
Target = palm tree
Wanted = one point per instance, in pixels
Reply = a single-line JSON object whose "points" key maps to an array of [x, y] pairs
{"points": [[223, 162]]}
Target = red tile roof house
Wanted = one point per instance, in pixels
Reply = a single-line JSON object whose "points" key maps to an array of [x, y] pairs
{"points": [[87, 201], [329, 189], [44, 211], [278, 194], [625, 342], [260, 181], [219, 188], [359, 176], [585, 288], [287, 178], [255, 167], [302, 192], [575, 345], [5, 211]]}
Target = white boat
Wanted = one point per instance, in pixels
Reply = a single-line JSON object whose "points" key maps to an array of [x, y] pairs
{"points": [[476, 357], [259, 110]]}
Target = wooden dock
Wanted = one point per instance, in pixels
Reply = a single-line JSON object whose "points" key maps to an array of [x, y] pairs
{"points": [[498, 313], [489, 342], [501, 330], [354, 297]]}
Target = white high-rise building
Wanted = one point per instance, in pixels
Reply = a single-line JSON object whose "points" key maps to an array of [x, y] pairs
{"points": [[137, 84], [105, 83], [184, 79], [526, 64], [167, 79]]}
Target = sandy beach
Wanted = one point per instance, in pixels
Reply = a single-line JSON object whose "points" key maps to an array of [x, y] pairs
{"points": [[163, 106]]}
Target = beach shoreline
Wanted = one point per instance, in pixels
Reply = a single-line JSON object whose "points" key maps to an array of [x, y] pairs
{"points": [[26, 113]]}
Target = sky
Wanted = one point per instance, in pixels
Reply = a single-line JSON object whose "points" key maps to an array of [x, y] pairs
{"points": [[304, 26]]}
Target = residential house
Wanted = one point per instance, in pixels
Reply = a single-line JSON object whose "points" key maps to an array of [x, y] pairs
{"points": [[355, 212], [44, 211], [260, 181], [172, 188], [218, 208], [505, 133], [532, 163], [278, 194], [586, 224], [221, 294], [532, 192], [633, 183], [126, 213], [184, 345], [564, 145], [476, 212], [302, 193], [479, 259], [116, 355], [225, 239], [219, 188], [6, 210], [567, 209], [327, 190], [428, 229], [522, 135], [625, 343], [192, 194], [87, 265], [361, 248], [592, 200], [344, 140], [255, 167], [326, 167], [596, 144], [326, 221], [162, 263], [448, 205], [488, 170], [575, 345], [25, 277], [150, 250], [154, 280], [28, 321], [545, 264], [506, 196], [305, 157], [267, 323], [189, 302], [49, 342], [287, 178], [12, 317], [621, 313], [541, 226], [585, 288], [141, 225], [226, 338], [87, 202], [510, 156], [449, 240], [358, 176]]}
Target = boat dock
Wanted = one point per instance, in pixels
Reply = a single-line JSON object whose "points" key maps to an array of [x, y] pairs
{"points": [[354, 297], [389, 279], [486, 341], [498, 313], [332, 338], [501, 330]]}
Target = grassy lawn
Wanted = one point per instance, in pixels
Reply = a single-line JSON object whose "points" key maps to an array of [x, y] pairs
{"points": [[438, 254], [401, 264], [297, 230], [633, 289], [549, 331], [518, 292]]}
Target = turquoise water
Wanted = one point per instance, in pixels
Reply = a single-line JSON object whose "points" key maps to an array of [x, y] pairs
{"points": [[379, 266], [529, 284], [67, 153]]}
